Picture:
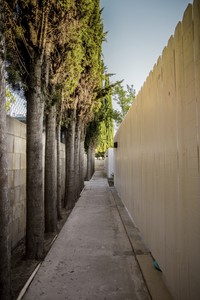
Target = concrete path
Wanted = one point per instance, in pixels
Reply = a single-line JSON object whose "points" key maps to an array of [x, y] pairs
{"points": [[92, 258]]}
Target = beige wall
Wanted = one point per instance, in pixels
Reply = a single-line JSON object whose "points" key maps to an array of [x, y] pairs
{"points": [[17, 177], [157, 160], [16, 140]]}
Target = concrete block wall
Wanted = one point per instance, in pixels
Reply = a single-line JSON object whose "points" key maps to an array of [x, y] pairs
{"points": [[157, 169], [16, 140]]}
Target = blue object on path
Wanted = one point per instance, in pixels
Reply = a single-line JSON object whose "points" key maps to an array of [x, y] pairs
{"points": [[156, 266]]}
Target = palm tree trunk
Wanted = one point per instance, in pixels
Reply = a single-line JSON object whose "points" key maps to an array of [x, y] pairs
{"points": [[69, 187], [50, 172], [4, 201], [35, 178]]}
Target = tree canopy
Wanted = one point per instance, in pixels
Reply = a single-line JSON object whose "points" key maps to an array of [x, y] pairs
{"points": [[106, 126], [123, 97]]}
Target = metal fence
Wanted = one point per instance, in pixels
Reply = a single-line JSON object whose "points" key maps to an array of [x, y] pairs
{"points": [[18, 108]]}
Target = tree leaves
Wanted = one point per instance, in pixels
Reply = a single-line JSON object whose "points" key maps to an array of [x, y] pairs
{"points": [[124, 98]]}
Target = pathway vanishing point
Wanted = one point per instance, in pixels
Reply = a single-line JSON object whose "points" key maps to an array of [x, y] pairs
{"points": [[92, 257]]}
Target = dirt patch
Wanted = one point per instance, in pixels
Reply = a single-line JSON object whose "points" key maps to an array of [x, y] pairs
{"points": [[22, 268]]}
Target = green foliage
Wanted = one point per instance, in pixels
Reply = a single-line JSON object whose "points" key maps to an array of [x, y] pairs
{"points": [[106, 130], [24, 37], [100, 131], [65, 45], [92, 134], [124, 98], [10, 98], [67, 35], [92, 74], [105, 139]]}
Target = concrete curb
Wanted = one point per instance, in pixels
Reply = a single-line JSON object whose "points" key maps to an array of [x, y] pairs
{"points": [[25, 287], [153, 278]]}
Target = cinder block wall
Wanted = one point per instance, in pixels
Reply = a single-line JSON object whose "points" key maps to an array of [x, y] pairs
{"points": [[157, 168], [16, 140], [17, 177]]}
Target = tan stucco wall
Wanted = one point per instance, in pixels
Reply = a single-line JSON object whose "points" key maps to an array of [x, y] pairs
{"points": [[157, 172]]}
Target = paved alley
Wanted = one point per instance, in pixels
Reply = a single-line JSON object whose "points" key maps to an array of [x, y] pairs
{"points": [[92, 257]]}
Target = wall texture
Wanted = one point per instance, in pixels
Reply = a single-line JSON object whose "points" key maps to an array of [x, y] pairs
{"points": [[16, 140], [109, 162], [157, 160], [17, 177]]}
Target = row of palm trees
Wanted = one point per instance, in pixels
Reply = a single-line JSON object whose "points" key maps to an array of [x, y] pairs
{"points": [[53, 51]]}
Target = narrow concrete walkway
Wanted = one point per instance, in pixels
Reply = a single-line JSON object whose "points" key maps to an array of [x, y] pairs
{"points": [[92, 258]]}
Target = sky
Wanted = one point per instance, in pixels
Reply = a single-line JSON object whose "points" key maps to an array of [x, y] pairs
{"points": [[138, 31]]}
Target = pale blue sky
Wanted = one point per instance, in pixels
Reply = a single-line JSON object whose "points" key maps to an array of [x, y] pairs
{"points": [[138, 32]]}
